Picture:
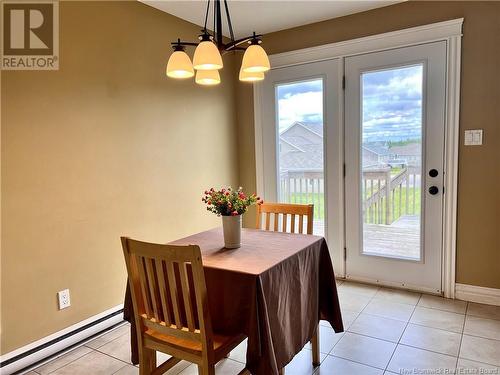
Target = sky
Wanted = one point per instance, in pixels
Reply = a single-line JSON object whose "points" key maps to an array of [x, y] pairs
{"points": [[392, 103], [301, 101]]}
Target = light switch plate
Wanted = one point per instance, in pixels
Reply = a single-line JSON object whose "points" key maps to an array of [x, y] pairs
{"points": [[473, 137]]}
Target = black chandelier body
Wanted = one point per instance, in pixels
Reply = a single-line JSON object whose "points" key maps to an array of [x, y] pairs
{"points": [[217, 36]]}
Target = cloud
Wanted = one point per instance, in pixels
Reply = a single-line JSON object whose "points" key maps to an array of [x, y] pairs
{"points": [[392, 103], [294, 105], [287, 90]]}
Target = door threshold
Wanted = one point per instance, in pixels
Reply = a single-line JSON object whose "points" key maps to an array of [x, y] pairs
{"points": [[393, 285]]}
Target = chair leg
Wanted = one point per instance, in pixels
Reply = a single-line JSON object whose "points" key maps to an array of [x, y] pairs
{"points": [[315, 348], [206, 369], [147, 361], [281, 371]]}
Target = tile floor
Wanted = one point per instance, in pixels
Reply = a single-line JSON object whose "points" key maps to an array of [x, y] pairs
{"points": [[387, 332]]}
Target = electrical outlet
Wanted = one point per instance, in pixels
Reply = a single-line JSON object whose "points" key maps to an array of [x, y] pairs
{"points": [[64, 300]]}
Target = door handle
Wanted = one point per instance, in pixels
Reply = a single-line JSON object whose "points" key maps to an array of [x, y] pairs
{"points": [[433, 190]]}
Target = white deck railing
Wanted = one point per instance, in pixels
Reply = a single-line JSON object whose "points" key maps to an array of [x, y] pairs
{"points": [[304, 187], [381, 205], [388, 195]]}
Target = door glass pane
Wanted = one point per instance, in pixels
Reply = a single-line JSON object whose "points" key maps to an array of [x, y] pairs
{"points": [[300, 146], [391, 151]]}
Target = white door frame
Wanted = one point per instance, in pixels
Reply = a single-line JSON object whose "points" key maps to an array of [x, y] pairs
{"points": [[449, 31]]}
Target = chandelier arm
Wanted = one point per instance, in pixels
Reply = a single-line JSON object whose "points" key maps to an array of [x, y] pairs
{"points": [[226, 51], [236, 43], [181, 43], [231, 32]]}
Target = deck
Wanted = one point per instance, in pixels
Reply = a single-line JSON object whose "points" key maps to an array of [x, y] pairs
{"points": [[400, 239]]}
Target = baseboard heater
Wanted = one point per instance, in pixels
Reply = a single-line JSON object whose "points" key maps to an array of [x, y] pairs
{"points": [[37, 352]]}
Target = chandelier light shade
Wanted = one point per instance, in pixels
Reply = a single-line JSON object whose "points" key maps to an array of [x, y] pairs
{"points": [[207, 56], [207, 77], [207, 59], [179, 65], [251, 76], [255, 59]]}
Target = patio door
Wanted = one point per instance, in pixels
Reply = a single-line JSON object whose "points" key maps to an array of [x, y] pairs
{"points": [[394, 142], [301, 145]]}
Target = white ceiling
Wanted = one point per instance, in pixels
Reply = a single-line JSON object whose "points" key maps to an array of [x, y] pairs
{"points": [[265, 16]]}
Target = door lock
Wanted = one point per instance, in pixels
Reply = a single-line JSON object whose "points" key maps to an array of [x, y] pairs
{"points": [[433, 190]]}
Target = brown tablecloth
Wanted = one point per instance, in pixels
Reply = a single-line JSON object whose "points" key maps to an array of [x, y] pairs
{"points": [[274, 289]]}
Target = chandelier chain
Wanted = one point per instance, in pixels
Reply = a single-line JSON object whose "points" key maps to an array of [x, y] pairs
{"points": [[214, 28], [229, 21], [206, 17]]}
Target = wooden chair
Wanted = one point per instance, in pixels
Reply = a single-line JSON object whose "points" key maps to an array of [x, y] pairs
{"points": [[285, 209], [169, 296]]}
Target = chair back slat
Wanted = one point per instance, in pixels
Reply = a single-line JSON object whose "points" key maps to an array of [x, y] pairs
{"points": [[162, 288], [186, 294], [144, 285], [168, 290], [174, 295], [303, 211], [310, 222], [152, 288]]}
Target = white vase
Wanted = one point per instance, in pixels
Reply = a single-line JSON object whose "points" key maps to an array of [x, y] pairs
{"points": [[232, 231]]}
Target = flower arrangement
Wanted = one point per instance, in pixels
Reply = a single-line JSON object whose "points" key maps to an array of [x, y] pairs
{"points": [[229, 202]]}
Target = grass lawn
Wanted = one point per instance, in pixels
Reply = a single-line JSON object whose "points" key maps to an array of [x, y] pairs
{"points": [[311, 198], [399, 208]]}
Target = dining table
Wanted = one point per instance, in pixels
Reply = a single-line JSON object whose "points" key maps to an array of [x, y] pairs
{"points": [[274, 289]]}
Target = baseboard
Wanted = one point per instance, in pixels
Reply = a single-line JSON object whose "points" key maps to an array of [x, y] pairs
{"points": [[479, 294], [37, 351]]}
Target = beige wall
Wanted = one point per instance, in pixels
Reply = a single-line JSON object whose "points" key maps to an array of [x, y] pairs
{"points": [[104, 147], [478, 254], [108, 146]]}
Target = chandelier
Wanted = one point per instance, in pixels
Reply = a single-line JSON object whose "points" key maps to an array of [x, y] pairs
{"points": [[207, 59]]}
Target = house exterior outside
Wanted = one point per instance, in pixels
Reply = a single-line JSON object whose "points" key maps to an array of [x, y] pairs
{"points": [[411, 153], [301, 149]]}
